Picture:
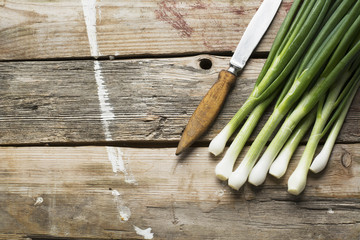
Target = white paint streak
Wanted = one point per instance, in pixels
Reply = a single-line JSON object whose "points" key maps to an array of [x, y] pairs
{"points": [[123, 211], [116, 157], [89, 9], [114, 154], [38, 201], [105, 106], [146, 233], [53, 212]]}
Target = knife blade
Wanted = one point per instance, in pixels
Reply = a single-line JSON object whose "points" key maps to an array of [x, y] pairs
{"points": [[211, 104]]}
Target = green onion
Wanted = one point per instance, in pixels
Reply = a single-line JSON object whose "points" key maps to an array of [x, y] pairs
{"points": [[297, 180], [316, 44], [322, 158], [338, 117], [320, 59], [225, 167], [281, 162]]}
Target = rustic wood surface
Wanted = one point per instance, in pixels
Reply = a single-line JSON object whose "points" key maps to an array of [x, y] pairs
{"points": [[56, 29], [151, 99], [178, 198], [88, 146]]}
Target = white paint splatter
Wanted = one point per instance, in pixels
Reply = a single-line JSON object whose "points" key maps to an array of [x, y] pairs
{"points": [[130, 179], [220, 192], [116, 157], [123, 211], [38, 201], [115, 193], [146, 233]]}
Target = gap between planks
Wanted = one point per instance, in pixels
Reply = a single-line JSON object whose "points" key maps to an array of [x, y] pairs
{"points": [[255, 55]]}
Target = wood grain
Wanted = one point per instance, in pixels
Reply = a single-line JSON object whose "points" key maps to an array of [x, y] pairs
{"points": [[151, 99], [56, 29], [178, 198]]}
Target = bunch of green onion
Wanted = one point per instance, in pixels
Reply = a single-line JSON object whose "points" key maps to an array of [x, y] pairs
{"points": [[312, 73]]}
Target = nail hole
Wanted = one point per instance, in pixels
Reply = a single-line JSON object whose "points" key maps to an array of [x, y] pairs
{"points": [[205, 63]]}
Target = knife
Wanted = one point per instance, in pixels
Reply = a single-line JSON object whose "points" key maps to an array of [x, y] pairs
{"points": [[212, 103]]}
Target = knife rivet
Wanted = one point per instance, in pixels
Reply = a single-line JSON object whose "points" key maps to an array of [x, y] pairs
{"points": [[205, 63]]}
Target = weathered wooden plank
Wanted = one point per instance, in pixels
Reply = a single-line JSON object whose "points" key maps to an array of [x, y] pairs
{"points": [[148, 99], [57, 29], [73, 192]]}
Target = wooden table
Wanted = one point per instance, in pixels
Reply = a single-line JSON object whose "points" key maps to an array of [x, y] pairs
{"points": [[93, 98]]}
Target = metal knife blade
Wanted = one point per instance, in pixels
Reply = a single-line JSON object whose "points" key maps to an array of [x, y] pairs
{"points": [[211, 104], [254, 32]]}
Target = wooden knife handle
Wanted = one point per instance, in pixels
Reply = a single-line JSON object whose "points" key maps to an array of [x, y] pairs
{"points": [[207, 111]]}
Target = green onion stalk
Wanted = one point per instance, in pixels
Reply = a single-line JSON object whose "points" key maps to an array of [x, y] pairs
{"points": [[225, 167], [311, 71], [338, 117], [281, 162], [322, 158], [297, 180]]}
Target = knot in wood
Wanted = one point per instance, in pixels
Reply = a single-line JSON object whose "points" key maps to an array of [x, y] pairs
{"points": [[346, 159]]}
